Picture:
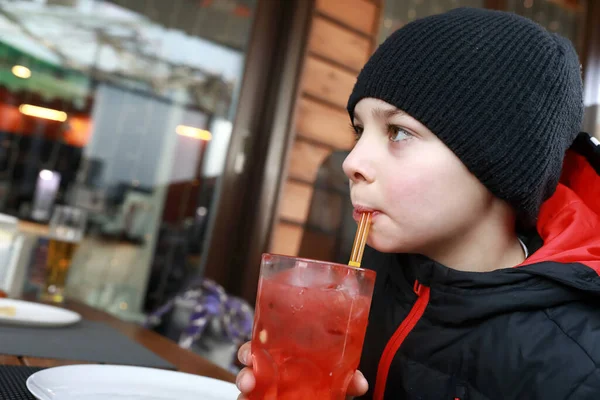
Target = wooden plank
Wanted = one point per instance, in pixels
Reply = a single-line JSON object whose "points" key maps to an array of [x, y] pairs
{"points": [[324, 124], [295, 201], [286, 239], [338, 44], [9, 360], [33, 228], [48, 362], [305, 160], [358, 14], [327, 82]]}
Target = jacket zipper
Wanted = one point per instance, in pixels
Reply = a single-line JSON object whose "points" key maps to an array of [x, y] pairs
{"points": [[398, 337]]}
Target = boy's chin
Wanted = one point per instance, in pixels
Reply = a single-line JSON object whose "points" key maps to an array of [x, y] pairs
{"points": [[385, 245], [382, 245]]}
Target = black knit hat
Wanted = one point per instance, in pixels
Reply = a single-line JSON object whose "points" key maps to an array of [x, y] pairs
{"points": [[501, 92]]}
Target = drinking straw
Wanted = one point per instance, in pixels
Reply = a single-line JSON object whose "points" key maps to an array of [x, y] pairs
{"points": [[360, 240]]}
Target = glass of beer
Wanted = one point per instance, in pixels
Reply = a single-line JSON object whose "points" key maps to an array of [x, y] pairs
{"points": [[67, 227]]}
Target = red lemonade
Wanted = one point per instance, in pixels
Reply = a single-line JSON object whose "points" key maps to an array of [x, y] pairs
{"points": [[309, 328]]}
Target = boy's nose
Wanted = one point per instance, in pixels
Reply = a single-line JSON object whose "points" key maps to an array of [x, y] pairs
{"points": [[357, 168]]}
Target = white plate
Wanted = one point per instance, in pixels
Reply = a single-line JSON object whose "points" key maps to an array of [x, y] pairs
{"points": [[115, 382], [35, 314]]}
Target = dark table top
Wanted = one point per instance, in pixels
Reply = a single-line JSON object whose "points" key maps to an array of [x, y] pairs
{"points": [[184, 360]]}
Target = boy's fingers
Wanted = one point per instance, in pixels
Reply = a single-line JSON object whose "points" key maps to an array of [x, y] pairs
{"points": [[358, 385], [244, 354], [245, 381]]}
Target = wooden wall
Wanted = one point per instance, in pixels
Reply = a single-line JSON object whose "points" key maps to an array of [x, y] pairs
{"points": [[342, 37]]}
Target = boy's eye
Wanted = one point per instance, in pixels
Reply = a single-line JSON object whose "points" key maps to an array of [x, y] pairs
{"points": [[358, 131], [398, 134]]}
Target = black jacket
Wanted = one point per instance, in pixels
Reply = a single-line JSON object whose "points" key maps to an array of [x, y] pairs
{"points": [[530, 332]]}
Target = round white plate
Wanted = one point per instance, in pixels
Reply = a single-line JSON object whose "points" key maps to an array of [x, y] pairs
{"points": [[35, 314], [115, 382]]}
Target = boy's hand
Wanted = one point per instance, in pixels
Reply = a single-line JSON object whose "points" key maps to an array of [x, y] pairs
{"points": [[245, 380]]}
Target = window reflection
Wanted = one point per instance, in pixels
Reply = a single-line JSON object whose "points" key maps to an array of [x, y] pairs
{"points": [[123, 109], [565, 17], [330, 228]]}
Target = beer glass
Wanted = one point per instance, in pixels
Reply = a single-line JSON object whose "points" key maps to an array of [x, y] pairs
{"points": [[67, 227]]}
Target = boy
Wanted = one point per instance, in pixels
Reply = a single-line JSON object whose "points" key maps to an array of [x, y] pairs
{"points": [[465, 123]]}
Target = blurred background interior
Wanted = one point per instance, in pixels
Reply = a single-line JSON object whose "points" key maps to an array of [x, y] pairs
{"points": [[196, 134]]}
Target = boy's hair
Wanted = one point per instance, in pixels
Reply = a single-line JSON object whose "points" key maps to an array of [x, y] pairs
{"points": [[500, 91]]}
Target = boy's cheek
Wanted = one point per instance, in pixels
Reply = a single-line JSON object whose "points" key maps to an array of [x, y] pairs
{"points": [[389, 236], [408, 190]]}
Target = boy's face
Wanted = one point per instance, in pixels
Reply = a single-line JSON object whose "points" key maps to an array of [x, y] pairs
{"points": [[422, 194]]}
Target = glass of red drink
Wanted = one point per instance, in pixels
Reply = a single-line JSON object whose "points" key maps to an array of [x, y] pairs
{"points": [[309, 327]]}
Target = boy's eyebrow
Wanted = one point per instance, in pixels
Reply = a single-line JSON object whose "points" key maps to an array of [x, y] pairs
{"points": [[385, 114], [379, 113]]}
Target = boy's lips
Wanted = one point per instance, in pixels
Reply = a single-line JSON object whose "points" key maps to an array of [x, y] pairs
{"points": [[359, 210]]}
